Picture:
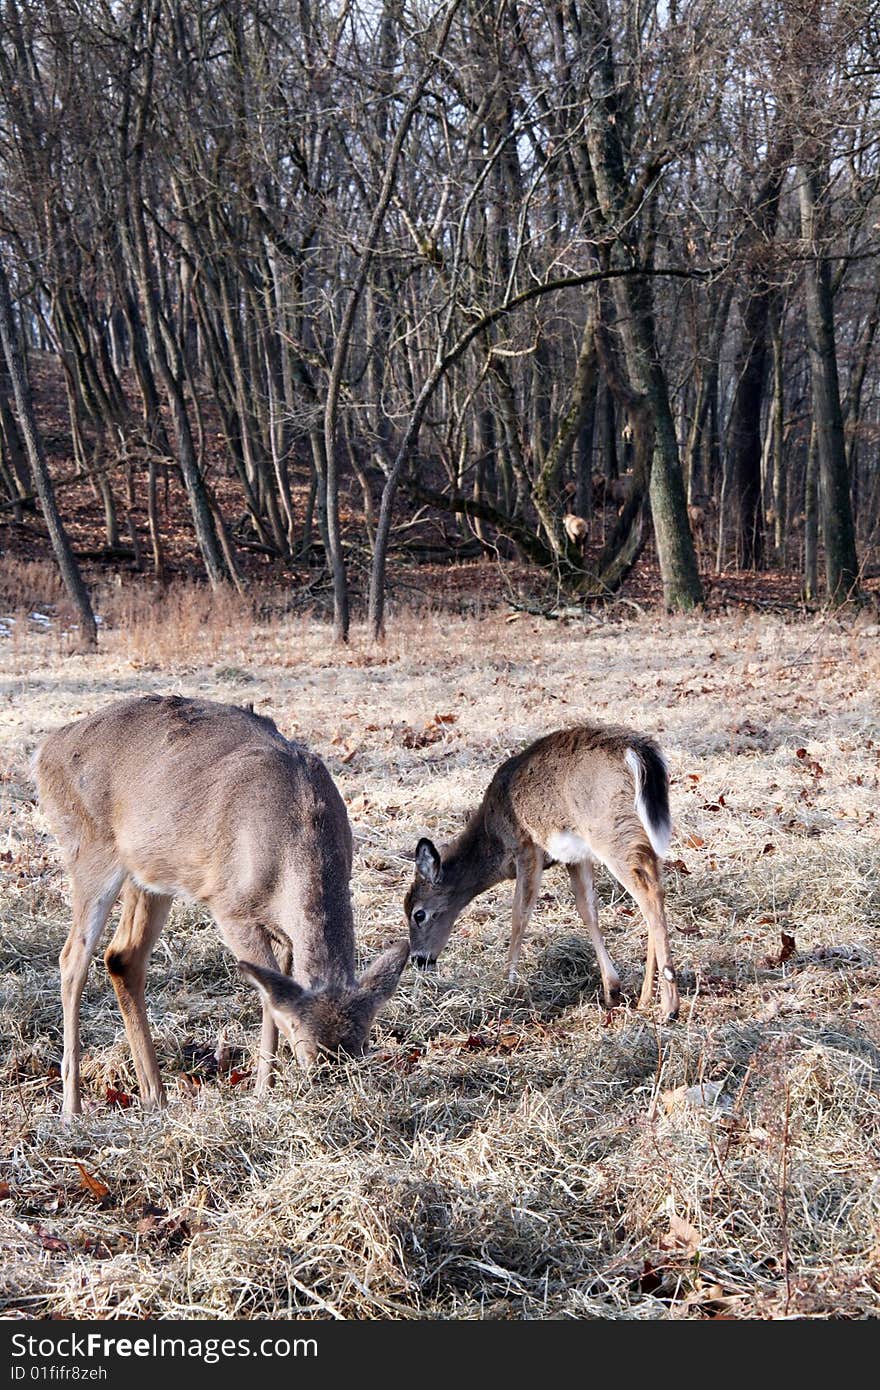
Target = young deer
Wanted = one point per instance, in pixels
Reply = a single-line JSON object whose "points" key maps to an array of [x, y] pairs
{"points": [[161, 796], [593, 792], [577, 530]]}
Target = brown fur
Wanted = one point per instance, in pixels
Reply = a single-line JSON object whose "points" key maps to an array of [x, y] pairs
{"points": [[161, 796], [571, 797], [619, 489], [577, 530], [701, 517]]}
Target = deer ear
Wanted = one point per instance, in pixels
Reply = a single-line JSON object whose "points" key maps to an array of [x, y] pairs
{"points": [[380, 978], [279, 991], [428, 865]]}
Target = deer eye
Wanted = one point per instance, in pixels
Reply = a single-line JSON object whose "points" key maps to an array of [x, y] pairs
{"points": [[419, 916]]}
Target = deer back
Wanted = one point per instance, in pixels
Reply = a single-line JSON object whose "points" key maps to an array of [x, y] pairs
{"points": [[212, 803]]}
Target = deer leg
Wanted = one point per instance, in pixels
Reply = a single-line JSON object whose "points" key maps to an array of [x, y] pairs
{"points": [[252, 943], [143, 917], [529, 867], [647, 992], [269, 1030], [284, 955], [581, 876], [640, 876], [93, 894]]}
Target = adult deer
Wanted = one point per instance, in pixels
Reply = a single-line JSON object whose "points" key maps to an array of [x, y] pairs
{"points": [[163, 796], [577, 795]]}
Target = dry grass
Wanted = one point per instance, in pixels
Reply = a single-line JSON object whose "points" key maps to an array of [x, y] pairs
{"points": [[502, 1153]]}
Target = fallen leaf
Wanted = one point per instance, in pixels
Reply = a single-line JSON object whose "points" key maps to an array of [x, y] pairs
{"points": [[199, 1058], [769, 848], [714, 1299], [680, 1236], [90, 1183], [48, 1241], [445, 718], [679, 865], [401, 1059], [236, 1077], [120, 1098], [695, 842], [771, 1009], [97, 1248], [5, 1191], [650, 1281], [173, 1231], [412, 738], [786, 951], [704, 1096], [789, 946]]}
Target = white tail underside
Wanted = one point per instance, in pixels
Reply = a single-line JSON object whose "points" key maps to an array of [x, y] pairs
{"points": [[658, 832]]}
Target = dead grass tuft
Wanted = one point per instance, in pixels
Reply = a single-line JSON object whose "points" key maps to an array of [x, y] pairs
{"points": [[158, 629]]}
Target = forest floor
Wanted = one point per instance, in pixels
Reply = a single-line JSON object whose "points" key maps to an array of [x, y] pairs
{"points": [[504, 1152]]}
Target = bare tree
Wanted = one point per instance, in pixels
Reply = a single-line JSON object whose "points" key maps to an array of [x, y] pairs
{"points": [[88, 630]]}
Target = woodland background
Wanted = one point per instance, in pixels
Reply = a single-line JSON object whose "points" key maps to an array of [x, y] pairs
{"points": [[543, 281]]}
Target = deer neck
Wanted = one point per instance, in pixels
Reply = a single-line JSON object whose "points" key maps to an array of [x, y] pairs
{"points": [[477, 860], [323, 934]]}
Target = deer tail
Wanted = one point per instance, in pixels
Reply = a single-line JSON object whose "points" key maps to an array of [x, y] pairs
{"points": [[648, 767]]}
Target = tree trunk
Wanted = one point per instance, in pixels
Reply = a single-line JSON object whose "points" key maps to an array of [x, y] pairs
{"points": [[343, 339], [841, 564], [679, 571], [811, 518], [547, 485], [135, 240], [155, 531], [744, 435], [777, 417], [16, 457], [39, 468], [852, 411], [632, 298]]}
